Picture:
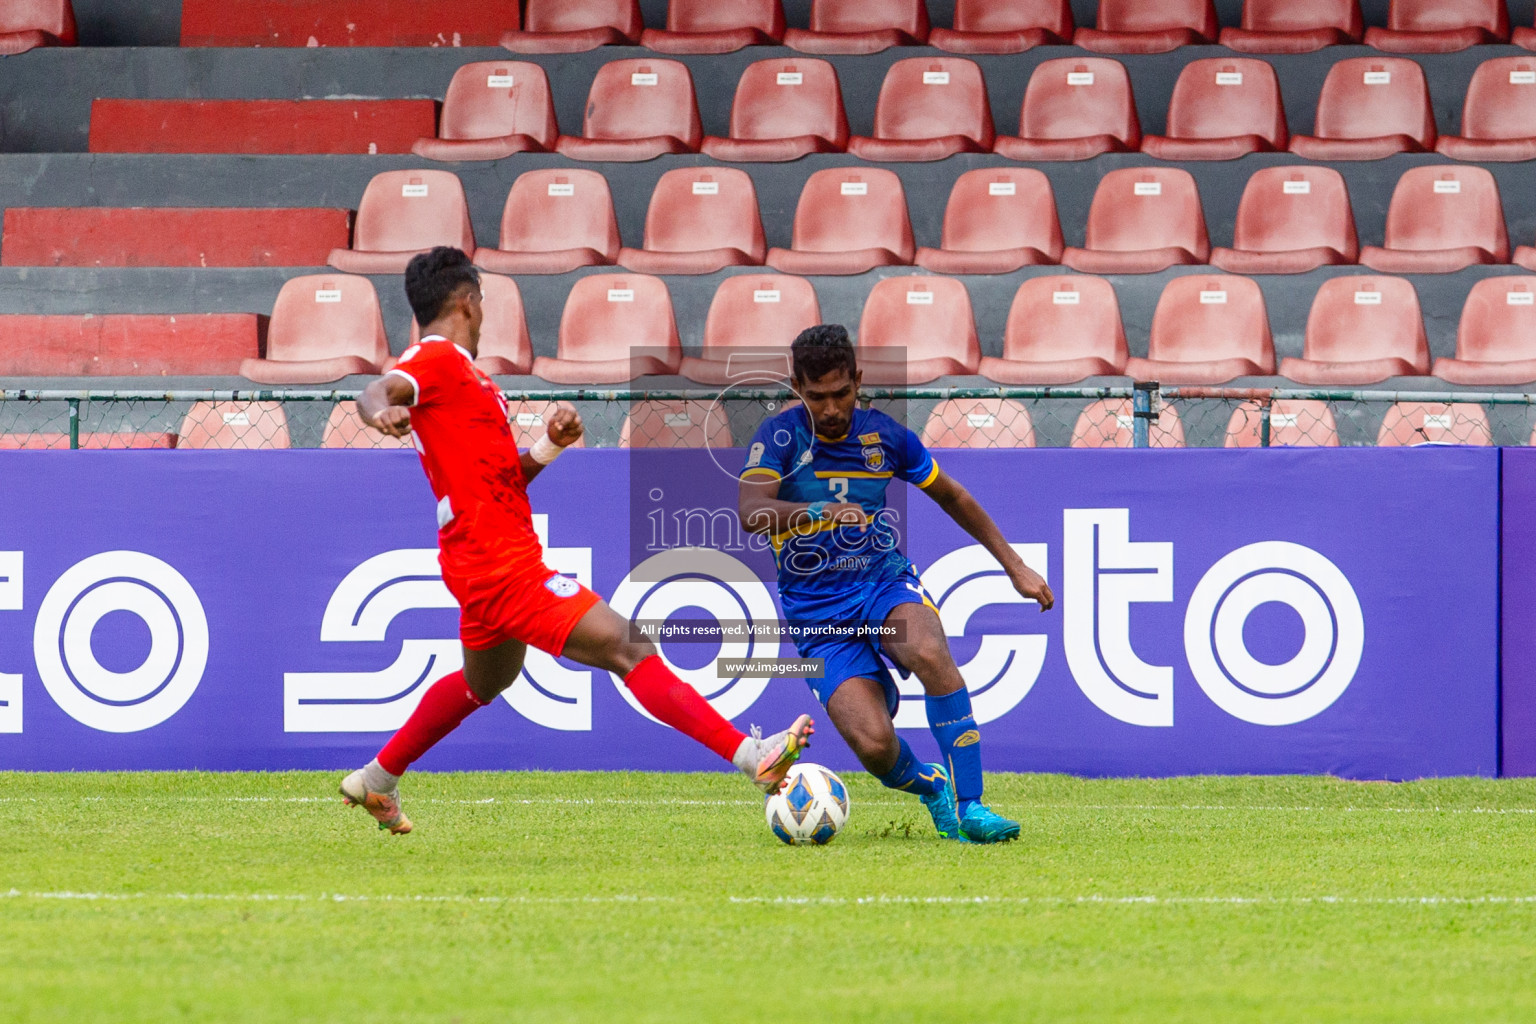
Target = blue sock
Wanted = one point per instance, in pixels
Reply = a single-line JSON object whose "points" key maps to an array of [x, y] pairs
{"points": [[954, 727], [909, 774]]}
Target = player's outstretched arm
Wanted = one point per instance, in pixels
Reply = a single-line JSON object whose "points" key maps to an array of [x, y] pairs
{"points": [[562, 428], [761, 511], [964, 509], [385, 405]]}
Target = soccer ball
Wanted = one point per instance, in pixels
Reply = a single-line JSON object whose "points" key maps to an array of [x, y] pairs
{"points": [[811, 808]]}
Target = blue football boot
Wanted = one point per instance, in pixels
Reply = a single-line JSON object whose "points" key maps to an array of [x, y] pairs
{"points": [[941, 806], [981, 825]]}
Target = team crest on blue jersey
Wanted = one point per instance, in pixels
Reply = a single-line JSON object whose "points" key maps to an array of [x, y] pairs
{"points": [[874, 458]]}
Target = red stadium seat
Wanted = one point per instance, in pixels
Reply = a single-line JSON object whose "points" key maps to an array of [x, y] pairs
{"points": [[1442, 219], [1370, 108], [700, 220], [126, 344], [615, 327], [42, 440], [1440, 26], [751, 323], [1293, 423], [1060, 330], [343, 22], [571, 26], [554, 221], [1149, 26], [493, 109], [915, 329], [717, 26], [1496, 342], [997, 220], [637, 110], [1361, 330], [324, 327], [861, 26], [1525, 37], [1289, 221], [848, 220], [504, 344], [1294, 26], [99, 236], [1415, 423], [1143, 219], [25, 24], [1222, 108], [1498, 117], [929, 108], [259, 126], [691, 424], [1207, 330], [1110, 423], [1005, 26], [403, 213], [1074, 108], [242, 425], [344, 429], [979, 423], [783, 110]]}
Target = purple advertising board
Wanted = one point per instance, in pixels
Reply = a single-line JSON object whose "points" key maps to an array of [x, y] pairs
{"points": [[1517, 640], [1219, 611]]}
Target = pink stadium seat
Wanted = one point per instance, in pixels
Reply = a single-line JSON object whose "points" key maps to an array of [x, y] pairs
{"points": [[637, 110], [1294, 26], [861, 26], [241, 425], [1060, 330], [1496, 342], [700, 220], [25, 24], [929, 108], [1442, 219], [751, 323], [1525, 37], [571, 26], [1074, 108], [1149, 26], [615, 327], [324, 327], [1498, 117], [1370, 108], [554, 221], [1005, 26], [979, 423], [692, 424], [783, 110], [1143, 219], [1289, 221], [997, 220], [1440, 26], [188, 236], [504, 344], [1207, 330], [343, 429], [44, 440], [1361, 330], [1110, 423], [1222, 108], [1293, 423], [1414, 423], [403, 213], [848, 220], [492, 110], [126, 344], [717, 26], [915, 329]]}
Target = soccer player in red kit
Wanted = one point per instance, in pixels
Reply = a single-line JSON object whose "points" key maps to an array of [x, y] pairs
{"points": [[491, 559]]}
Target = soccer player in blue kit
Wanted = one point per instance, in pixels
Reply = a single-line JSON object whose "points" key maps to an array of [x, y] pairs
{"points": [[814, 482]]}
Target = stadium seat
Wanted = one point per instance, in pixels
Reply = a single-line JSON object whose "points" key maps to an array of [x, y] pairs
{"points": [[43, 440], [504, 344], [1414, 423], [979, 423], [752, 320], [1293, 423], [343, 429], [1149, 26], [717, 26], [1370, 108], [783, 110], [1289, 221], [234, 425], [861, 26], [403, 213], [998, 219], [324, 327], [259, 126], [700, 220], [338, 22], [1496, 341], [572, 26], [1440, 26], [848, 220], [915, 329], [101, 236], [1524, 37], [637, 110], [126, 344], [615, 327], [1060, 330], [1005, 26], [929, 108], [1222, 108], [1498, 116], [680, 424], [1207, 330], [1361, 330], [1442, 219], [554, 221], [493, 109], [1294, 26], [1110, 423], [1074, 108], [25, 24], [1143, 219], [526, 418]]}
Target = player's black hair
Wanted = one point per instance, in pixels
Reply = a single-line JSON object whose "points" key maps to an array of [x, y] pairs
{"points": [[821, 350], [433, 276]]}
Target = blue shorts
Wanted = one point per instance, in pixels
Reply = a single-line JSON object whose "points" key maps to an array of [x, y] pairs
{"points": [[851, 653]]}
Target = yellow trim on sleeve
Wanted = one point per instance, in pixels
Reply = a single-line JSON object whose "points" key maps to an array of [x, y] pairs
{"points": [[763, 470], [932, 476]]}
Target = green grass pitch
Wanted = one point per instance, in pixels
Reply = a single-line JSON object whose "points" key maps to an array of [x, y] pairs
{"points": [[641, 897]]}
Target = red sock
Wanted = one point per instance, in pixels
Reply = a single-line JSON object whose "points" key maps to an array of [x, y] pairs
{"points": [[680, 706], [446, 703]]}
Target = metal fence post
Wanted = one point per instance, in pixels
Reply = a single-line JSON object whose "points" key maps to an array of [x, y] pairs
{"points": [[1264, 408], [1143, 403], [74, 423]]}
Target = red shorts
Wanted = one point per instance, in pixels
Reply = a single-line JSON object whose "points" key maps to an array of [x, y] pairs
{"points": [[539, 608]]}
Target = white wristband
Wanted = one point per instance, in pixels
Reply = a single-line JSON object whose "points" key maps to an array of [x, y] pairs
{"points": [[545, 451]]}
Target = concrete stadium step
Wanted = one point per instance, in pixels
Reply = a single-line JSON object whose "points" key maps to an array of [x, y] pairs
{"points": [[127, 344], [259, 126], [170, 237]]}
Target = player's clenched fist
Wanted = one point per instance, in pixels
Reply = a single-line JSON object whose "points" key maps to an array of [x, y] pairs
{"points": [[394, 420], [563, 426], [1033, 586]]}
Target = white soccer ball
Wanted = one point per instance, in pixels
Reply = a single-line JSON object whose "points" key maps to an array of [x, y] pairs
{"points": [[811, 808]]}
